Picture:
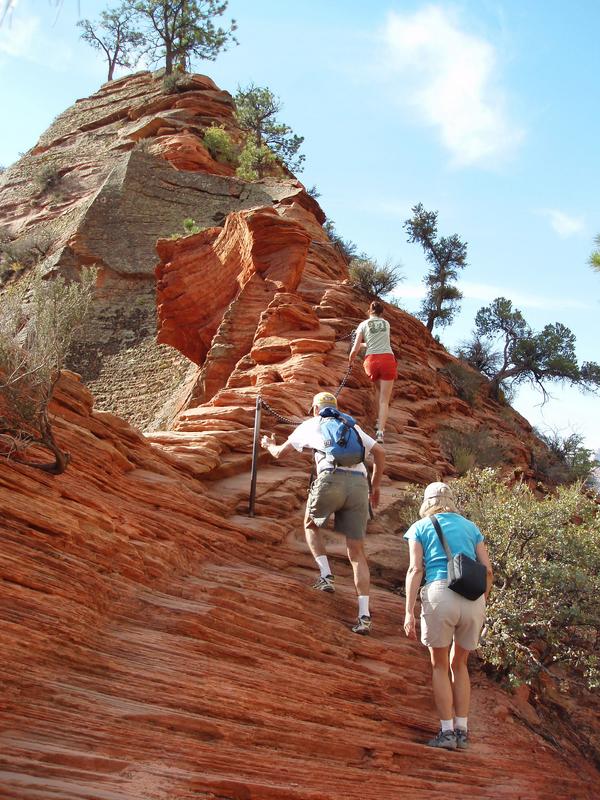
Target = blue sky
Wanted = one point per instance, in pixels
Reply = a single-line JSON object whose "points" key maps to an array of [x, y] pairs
{"points": [[485, 111]]}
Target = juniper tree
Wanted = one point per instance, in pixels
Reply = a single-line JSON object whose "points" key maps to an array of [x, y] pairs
{"points": [[114, 34], [522, 355], [446, 254], [256, 111], [181, 30]]}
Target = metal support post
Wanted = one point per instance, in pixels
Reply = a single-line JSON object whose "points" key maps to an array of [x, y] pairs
{"points": [[255, 446]]}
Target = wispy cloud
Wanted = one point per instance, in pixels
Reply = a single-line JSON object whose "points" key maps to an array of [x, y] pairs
{"points": [[564, 224], [17, 35], [451, 77]]}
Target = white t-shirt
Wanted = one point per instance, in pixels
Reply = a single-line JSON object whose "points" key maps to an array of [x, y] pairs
{"points": [[308, 434], [376, 335]]}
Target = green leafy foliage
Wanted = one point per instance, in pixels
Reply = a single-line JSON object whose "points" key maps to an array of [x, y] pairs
{"points": [[595, 256], [446, 254], [513, 353], [220, 144], [469, 449], [181, 30], [255, 161], [256, 111], [39, 321], [113, 34], [372, 278], [564, 459], [466, 381], [543, 614]]}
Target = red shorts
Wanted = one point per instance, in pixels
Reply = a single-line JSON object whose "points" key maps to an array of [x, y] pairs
{"points": [[381, 367]]}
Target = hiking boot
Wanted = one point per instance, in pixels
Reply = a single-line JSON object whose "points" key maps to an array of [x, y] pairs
{"points": [[379, 437], [363, 626], [444, 739], [324, 584], [462, 738]]}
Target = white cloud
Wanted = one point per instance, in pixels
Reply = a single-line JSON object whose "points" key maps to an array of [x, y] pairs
{"points": [[17, 35], [564, 224], [449, 76]]}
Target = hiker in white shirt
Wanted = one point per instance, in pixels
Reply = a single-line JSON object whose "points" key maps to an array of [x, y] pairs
{"points": [[380, 363], [340, 490]]}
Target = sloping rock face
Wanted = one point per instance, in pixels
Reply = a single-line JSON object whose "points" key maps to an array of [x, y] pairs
{"points": [[157, 647], [158, 643], [114, 173]]}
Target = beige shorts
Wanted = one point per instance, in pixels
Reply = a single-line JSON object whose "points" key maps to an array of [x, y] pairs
{"points": [[344, 494], [446, 616]]}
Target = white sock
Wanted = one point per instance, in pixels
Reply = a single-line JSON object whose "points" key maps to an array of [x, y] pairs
{"points": [[447, 724], [363, 605], [460, 722], [323, 565]]}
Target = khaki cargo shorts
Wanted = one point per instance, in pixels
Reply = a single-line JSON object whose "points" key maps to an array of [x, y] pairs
{"points": [[344, 494], [445, 616]]}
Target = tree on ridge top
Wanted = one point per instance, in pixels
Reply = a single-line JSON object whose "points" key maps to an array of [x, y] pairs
{"points": [[256, 111], [180, 30], [446, 255], [113, 33]]}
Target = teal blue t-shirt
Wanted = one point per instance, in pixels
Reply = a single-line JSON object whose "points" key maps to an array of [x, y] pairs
{"points": [[461, 534]]}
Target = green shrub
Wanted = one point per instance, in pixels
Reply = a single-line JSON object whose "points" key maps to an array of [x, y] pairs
{"points": [[48, 177], [374, 279], [466, 382], [564, 459], [220, 145], [468, 449], [348, 248], [255, 162], [21, 254], [169, 84], [544, 613]]}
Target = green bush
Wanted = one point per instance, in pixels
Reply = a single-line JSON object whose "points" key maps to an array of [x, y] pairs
{"points": [[564, 459], [374, 279], [468, 449], [543, 614], [466, 382], [220, 145], [48, 177], [255, 162]]}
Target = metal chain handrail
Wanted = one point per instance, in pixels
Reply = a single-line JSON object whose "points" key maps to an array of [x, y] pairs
{"points": [[277, 415]]}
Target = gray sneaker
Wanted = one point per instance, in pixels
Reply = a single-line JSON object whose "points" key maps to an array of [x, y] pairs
{"points": [[444, 739], [324, 584], [363, 626], [462, 738]]}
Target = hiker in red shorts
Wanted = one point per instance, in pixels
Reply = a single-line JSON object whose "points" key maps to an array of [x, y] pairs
{"points": [[380, 362]]}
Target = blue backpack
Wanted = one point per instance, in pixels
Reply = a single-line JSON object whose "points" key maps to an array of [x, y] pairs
{"points": [[342, 444]]}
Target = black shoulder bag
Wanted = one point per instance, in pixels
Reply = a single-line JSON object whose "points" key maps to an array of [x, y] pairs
{"points": [[465, 576]]}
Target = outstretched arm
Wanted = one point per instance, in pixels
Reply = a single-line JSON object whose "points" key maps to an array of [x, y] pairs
{"points": [[268, 443]]}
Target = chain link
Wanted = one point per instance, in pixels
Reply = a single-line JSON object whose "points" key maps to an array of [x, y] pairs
{"points": [[278, 416]]}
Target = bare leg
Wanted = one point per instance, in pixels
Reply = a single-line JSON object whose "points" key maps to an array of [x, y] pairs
{"points": [[314, 538], [440, 678], [461, 683], [377, 425], [360, 565], [384, 394]]}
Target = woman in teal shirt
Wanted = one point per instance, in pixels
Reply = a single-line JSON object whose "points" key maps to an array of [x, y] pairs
{"points": [[447, 618]]}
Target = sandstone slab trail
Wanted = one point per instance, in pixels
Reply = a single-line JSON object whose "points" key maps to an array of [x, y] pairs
{"points": [[157, 644]]}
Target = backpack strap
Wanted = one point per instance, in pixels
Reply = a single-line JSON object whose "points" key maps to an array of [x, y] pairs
{"points": [[442, 538]]}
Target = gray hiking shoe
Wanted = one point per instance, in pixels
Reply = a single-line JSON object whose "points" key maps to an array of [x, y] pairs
{"points": [[444, 739], [324, 584], [462, 738], [363, 626], [379, 437]]}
